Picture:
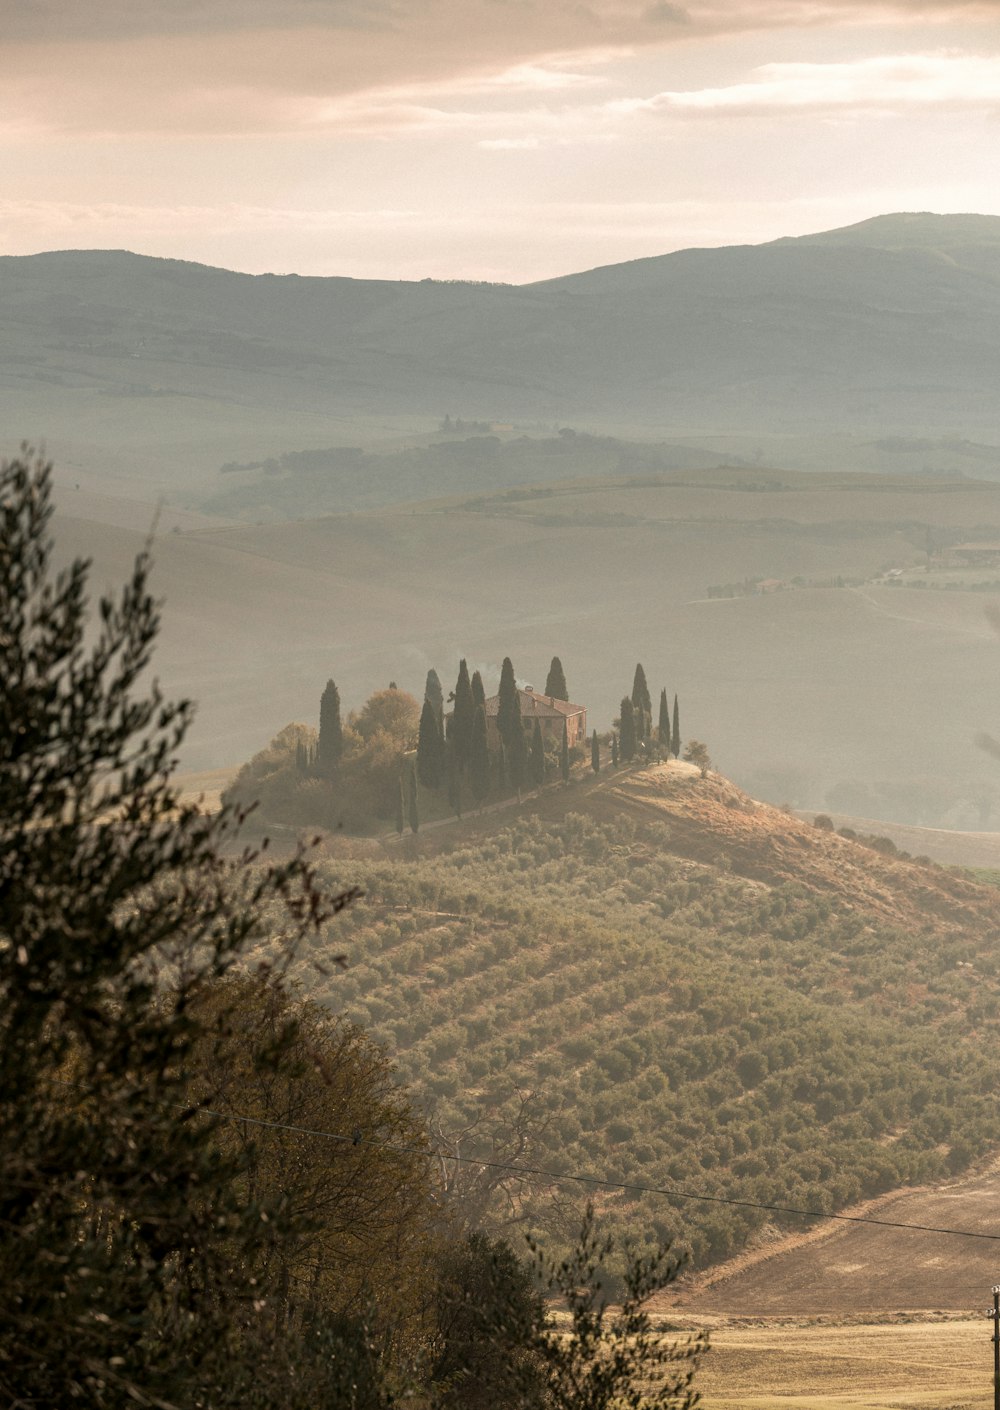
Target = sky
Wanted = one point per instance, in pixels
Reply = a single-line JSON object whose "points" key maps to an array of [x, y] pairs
{"points": [[507, 140]]}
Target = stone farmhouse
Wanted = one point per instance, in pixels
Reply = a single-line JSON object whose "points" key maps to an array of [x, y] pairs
{"points": [[550, 714]]}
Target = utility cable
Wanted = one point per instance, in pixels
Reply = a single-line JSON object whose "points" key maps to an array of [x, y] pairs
{"points": [[570, 1177], [527, 1170]]}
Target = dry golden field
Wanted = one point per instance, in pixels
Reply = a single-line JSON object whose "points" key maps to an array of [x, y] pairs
{"points": [[857, 1317], [918, 1365]]}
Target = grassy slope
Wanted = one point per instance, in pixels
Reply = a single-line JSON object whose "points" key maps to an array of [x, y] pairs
{"points": [[702, 992]]}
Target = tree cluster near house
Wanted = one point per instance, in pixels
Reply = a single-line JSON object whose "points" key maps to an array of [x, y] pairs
{"points": [[399, 761], [634, 736]]}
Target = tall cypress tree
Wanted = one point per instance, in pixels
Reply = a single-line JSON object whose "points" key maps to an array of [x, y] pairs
{"points": [[463, 713], [430, 749], [478, 690], [595, 754], [555, 681], [537, 756], [517, 762], [434, 693], [675, 738], [614, 751], [564, 755], [331, 731], [642, 705], [453, 774], [508, 705], [479, 757], [401, 805], [413, 816], [499, 762], [628, 733], [663, 727]]}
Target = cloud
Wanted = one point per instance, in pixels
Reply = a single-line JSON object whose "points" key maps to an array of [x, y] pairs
{"points": [[210, 66], [510, 144], [62, 20], [893, 83]]}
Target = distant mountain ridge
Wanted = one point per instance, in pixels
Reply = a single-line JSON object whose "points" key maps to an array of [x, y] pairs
{"points": [[889, 325]]}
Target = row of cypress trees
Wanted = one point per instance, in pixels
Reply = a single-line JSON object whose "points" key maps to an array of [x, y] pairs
{"points": [[456, 753], [636, 723]]}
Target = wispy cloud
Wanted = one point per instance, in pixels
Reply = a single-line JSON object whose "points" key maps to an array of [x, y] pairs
{"points": [[126, 67], [889, 82]]}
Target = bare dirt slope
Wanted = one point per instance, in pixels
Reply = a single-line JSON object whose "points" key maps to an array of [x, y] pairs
{"points": [[862, 1270]]}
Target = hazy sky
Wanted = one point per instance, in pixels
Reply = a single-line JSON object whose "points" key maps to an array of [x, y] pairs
{"points": [[491, 139]]}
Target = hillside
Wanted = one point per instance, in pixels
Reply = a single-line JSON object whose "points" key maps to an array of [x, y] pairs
{"points": [[699, 991], [843, 692], [887, 329]]}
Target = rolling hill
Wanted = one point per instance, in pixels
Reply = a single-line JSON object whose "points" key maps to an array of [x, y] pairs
{"points": [[699, 992], [844, 691], [885, 328]]}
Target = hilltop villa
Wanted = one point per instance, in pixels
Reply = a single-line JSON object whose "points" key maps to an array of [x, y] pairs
{"points": [[550, 714]]}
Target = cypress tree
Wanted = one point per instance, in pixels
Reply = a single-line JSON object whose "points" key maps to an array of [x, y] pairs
{"points": [[430, 750], [663, 727], [508, 705], [301, 757], [434, 694], [401, 806], [478, 690], [517, 762], [628, 733], [453, 775], [555, 681], [595, 754], [479, 759], [537, 756], [642, 705], [614, 751], [462, 717], [331, 731], [412, 813], [675, 738], [564, 755]]}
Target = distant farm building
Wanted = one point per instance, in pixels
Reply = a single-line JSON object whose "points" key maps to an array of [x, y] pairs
{"points": [[976, 555], [548, 711]]}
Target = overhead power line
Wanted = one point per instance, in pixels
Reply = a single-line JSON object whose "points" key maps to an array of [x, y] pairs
{"points": [[572, 1177]]}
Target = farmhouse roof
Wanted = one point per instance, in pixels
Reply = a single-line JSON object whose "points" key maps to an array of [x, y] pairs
{"points": [[537, 707]]}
